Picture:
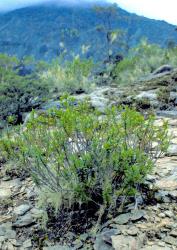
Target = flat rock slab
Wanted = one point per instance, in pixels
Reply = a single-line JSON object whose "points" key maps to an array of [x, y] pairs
{"points": [[6, 188], [100, 244], [156, 247], [24, 221], [5, 194], [5, 191], [168, 114], [122, 242], [22, 209], [171, 240], [7, 232], [166, 170], [133, 216]]}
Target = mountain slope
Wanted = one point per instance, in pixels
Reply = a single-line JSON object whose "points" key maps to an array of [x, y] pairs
{"points": [[39, 30]]}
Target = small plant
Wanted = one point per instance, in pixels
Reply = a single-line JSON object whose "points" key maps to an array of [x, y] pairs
{"points": [[83, 158], [163, 95], [142, 104]]}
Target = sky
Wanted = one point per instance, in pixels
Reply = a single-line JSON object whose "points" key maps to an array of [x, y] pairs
{"points": [[157, 9]]}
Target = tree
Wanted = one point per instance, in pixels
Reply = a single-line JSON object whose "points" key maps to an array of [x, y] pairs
{"points": [[108, 14]]}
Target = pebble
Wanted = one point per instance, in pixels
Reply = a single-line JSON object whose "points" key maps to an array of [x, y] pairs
{"points": [[162, 215], [174, 233], [161, 244], [169, 214], [132, 231]]}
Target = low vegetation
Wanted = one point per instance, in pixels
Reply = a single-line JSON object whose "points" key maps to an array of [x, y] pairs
{"points": [[78, 158], [20, 90], [26, 85], [143, 60], [72, 77]]}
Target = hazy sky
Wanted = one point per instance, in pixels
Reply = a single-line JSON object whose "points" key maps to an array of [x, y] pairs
{"points": [[158, 9]]}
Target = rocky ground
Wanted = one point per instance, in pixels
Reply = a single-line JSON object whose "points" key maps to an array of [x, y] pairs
{"points": [[151, 226]]}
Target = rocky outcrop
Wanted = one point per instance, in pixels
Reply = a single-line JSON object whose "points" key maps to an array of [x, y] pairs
{"points": [[158, 91]]}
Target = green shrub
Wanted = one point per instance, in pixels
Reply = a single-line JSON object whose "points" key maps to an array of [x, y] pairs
{"points": [[143, 60], [18, 94], [70, 77], [82, 157], [163, 95]]}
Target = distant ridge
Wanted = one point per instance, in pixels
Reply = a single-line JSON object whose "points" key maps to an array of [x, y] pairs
{"points": [[38, 31]]}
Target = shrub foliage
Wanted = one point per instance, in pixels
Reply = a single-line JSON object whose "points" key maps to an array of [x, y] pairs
{"points": [[84, 157], [143, 60], [20, 90], [70, 77]]}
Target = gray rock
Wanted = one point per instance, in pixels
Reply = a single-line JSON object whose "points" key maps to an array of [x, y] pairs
{"points": [[8, 246], [99, 102], [172, 150], [84, 237], [16, 243], [173, 233], [5, 192], [107, 235], [78, 244], [150, 178], [122, 219], [6, 231], [52, 105], [171, 240], [100, 244], [137, 215], [162, 215], [24, 221], [6, 178], [150, 95], [132, 231], [168, 114], [156, 247], [169, 214], [162, 196], [121, 242], [27, 244], [22, 209], [103, 241], [163, 69], [2, 239]]}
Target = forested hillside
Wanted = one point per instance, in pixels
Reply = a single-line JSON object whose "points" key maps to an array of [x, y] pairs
{"points": [[47, 31]]}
